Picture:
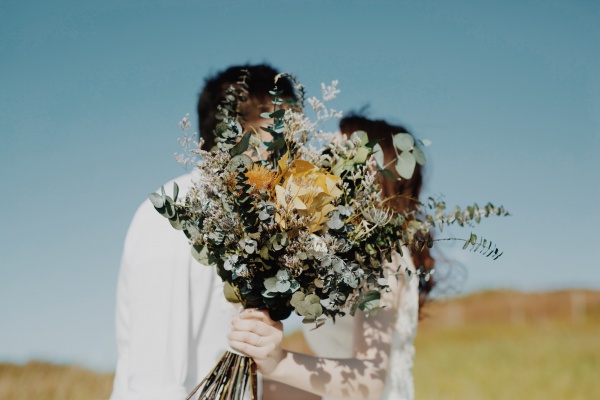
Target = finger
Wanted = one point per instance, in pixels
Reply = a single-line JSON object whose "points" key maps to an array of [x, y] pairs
{"points": [[248, 337], [261, 315], [243, 348], [252, 325]]}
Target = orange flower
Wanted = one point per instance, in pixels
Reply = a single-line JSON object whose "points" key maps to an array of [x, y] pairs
{"points": [[260, 177]]}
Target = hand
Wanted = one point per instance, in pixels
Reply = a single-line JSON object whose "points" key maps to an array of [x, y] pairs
{"points": [[255, 334]]}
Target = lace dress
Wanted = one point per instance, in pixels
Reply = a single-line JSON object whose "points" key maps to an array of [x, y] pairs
{"points": [[335, 340]]}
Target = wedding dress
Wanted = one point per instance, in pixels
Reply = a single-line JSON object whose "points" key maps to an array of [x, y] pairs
{"points": [[335, 340]]}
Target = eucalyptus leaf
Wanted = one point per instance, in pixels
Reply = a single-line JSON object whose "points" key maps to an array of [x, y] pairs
{"points": [[294, 285], [238, 161], [276, 145], [405, 165], [378, 155], [283, 286], [296, 298], [202, 255], [156, 200], [361, 155], [271, 284], [403, 141], [176, 223], [362, 136], [419, 155], [278, 113], [242, 145], [315, 309], [175, 191], [231, 292]]}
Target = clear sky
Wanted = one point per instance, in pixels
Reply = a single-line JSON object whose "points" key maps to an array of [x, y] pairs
{"points": [[91, 94]]}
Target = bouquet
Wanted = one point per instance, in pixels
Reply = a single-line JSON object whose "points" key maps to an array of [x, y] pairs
{"points": [[291, 227]]}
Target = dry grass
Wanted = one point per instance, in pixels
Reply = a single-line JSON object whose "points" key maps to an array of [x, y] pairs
{"points": [[39, 380], [493, 345]]}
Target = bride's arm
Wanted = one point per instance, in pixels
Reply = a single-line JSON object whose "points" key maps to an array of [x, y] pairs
{"points": [[361, 377]]}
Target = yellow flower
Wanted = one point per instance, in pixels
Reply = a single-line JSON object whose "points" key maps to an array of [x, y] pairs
{"points": [[260, 177], [309, 191]]}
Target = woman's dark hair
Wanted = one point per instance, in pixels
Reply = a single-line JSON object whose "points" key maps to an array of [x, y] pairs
{"points": [[404, 193], [258, 80]]}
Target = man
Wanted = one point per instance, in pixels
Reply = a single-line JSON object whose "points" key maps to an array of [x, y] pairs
{"points": [[171, 320]]}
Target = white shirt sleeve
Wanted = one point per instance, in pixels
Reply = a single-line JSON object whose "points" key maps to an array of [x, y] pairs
{"points": [[158, 315]]}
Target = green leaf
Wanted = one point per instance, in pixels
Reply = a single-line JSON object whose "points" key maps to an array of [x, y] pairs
{"points": [[294, 285], [265, 115], [283, 286], [370, 301], [264, 253], [175, 191], [315, 310], [278, 113], [312, 299], [278, 128], [425, 142], [242, 145], [156, 200], [202, 255], [405, 165], [378, 155], [271, 284], [176, 223], [302, 308], [296, 298], [419, 155], [238, 161], [231, 292], [371, 144], [361, 155], [403, 141], [170, 211], [276, 145], [473, 239], [362, 136]]}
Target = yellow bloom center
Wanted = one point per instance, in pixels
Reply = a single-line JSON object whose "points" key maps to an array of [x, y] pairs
{"points": [[260, 177]]}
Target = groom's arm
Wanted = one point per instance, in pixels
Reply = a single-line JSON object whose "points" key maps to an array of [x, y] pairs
{"points": [[152, 311]]}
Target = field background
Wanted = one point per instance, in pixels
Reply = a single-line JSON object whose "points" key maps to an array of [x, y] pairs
{"points": [[489, 345]]}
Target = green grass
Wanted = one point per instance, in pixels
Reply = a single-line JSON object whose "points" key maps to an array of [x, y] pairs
{"points": [[550, 360]]}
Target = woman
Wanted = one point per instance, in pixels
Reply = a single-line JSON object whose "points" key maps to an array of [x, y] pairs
{"points": [[357, 357]]}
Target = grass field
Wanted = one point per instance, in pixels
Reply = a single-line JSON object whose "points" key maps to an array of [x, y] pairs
{"points": [[492, 345], [504, 345]]}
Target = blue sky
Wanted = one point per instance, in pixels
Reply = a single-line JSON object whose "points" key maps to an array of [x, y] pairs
{"points": [[92, 92]]}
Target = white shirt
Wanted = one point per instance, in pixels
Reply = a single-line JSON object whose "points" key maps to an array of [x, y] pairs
{"points": [[171, 323]]}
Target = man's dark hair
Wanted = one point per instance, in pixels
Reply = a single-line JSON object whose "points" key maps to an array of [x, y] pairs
{"points": [[259, 80]]}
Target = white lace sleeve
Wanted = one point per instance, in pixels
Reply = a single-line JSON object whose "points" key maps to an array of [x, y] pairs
{"points": [[399, 384], [335, 340]]}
